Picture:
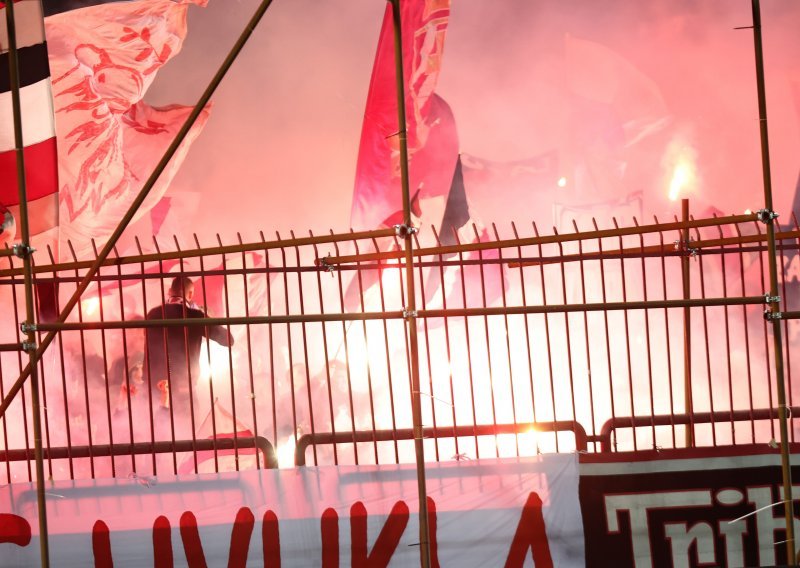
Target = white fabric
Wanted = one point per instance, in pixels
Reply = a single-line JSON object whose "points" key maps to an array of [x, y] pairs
{"points": [[36, 104], [478, 510]]}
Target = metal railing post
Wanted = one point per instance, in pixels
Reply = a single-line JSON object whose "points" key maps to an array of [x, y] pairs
{"points": [[767, 216], [688, 406], [411, 309], [25, 251]]}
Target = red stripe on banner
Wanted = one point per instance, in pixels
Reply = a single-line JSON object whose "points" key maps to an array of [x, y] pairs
{"points": [[271, 540], [192, 546], [434, 542], [162, 543], [240, 538], [531, 535], [388, 538], [41, 172], [329, 527], [101, 546], [14, 529]]}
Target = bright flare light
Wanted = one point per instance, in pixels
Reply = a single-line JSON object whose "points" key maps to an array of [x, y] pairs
{"points": [[217, 364], [90, 306], [562, 182], [681, 178], [286, 453]]}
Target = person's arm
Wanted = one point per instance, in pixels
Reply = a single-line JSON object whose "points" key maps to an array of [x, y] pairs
{"points": [[217, 333]]}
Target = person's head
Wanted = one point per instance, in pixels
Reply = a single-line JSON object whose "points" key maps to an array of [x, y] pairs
{"points": [[182, 287]]}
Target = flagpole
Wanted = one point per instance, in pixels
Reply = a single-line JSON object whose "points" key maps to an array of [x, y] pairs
{"points": [[407, 232], [773, 315], [24, 251]]}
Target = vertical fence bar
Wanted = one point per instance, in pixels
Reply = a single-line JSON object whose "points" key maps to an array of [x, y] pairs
{"points": [[587, 350], [609, 368], [548, 344], [305, 347], [426, 335], [26, 252], [328, 360], [104, 351], [746, 329], [468, 351], [501, 276], [488, 345], [527, 332], [670, 381], [768, 218], [688, 406], [567, 332], [704, 312], [248, 336], [628, 358], [273, 403], [363, 306], [388, 360], [647, 339], [446, 322], [345, 344], [146, 369], [729, 368]]}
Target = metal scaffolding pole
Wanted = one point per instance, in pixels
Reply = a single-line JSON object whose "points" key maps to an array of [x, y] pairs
{"points": [[767, 216], [24, 250], [407, 232]]}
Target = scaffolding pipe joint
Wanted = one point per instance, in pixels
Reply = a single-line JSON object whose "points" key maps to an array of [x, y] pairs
{"points": [[22, 250], [686, 248], [408, 314], [28, 346], [405, 231], [766, 216], [771, 299], [772, 316], [325, 264], [27, 327]]}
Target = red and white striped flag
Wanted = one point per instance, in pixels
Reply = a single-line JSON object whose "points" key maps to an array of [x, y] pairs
{"points": [[38, 127]]}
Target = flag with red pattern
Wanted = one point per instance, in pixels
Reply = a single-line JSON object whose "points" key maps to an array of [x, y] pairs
{"points": [[104, 58], [432, 138]]}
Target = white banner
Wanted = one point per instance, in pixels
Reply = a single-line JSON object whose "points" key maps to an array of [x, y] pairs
{"points": [[507, 512]]}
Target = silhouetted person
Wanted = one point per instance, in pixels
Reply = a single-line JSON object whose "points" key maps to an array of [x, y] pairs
{"points": [[173, 353]]}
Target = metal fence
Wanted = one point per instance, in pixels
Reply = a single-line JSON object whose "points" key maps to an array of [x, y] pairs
{"points": [[528, 343]]}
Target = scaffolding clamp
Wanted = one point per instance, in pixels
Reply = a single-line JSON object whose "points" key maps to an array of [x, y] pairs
{"points": [[408, 314], [21, 250], [771, 299], [405, 231], [28, 346], [26, 327], [766, 216], [327, 266], [685, 248], [772, 316]]}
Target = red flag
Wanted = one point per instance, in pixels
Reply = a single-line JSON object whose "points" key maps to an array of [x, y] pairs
{"points": [[38, 127], [432, 138], [104, 58]]}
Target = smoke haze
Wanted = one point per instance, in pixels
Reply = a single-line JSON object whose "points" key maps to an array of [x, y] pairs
{"points": [[279, 151]]}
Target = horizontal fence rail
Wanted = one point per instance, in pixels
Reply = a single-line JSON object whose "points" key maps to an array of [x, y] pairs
{"points": [[294, 350]]}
